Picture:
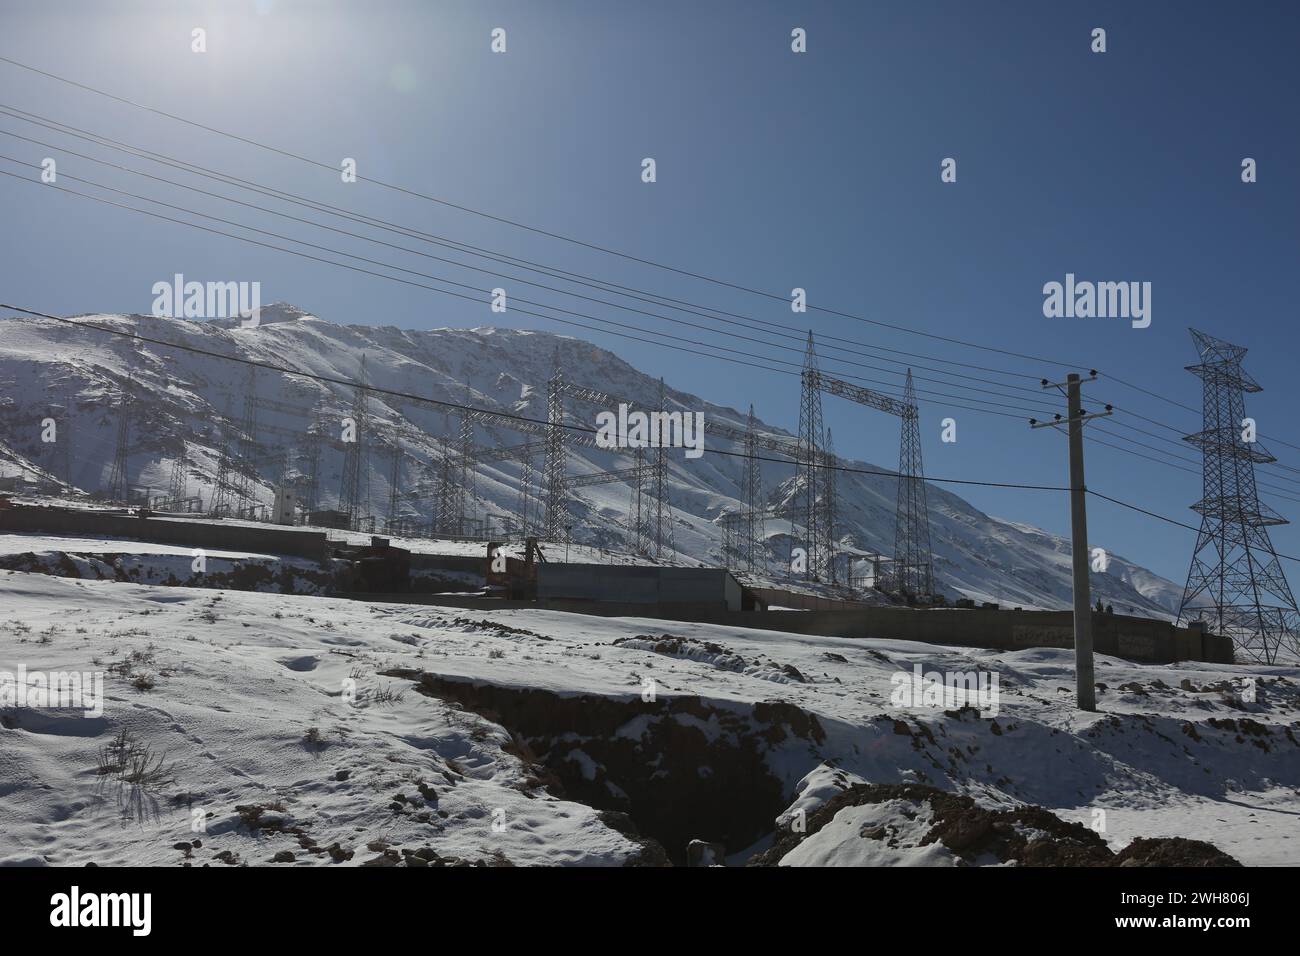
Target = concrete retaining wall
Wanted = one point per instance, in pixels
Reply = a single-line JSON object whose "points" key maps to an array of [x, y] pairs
{"points": [[705, 595], [192, 534], [1118, 635], [1132, 638], [639, 585]]}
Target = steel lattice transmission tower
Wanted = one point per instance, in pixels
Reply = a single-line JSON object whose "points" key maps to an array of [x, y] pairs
{"points": [[662, 517], [810, 475], [527, 493], [464, 484], [176, 483], [913, 561], [1235, 574], [311, 452], [221, 487], [446, 488], [557, 511], [394, 484], [754, 547], [828, 511], [354, 461], [119, 488], [638, 512], [248, 447]]}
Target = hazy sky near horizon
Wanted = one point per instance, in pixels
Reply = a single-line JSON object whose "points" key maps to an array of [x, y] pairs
{"points": [[775, 170]]}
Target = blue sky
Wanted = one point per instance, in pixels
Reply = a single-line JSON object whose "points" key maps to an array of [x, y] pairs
{"points": [[775, 170]]}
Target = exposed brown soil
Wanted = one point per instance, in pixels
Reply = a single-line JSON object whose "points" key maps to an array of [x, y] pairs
{"points": [[1027, 836], [686, 769]]}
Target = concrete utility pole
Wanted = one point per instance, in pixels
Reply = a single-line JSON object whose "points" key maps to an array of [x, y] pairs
{"points": [[1084, 679]]}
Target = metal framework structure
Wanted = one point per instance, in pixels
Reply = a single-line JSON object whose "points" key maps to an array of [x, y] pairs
{"points": [[443, 520], [118, 485], [556, 527], [753, 545], [638, 512], [311, 452], [913, 565], [810, 476], [180, 472], [661, 521], [734, 535], [1235, 583], [245, 481], [527, 493], [463, 491], [650, 517], [394, 481], [732, 551], [221, 489], [828, 509], [355, 464]]}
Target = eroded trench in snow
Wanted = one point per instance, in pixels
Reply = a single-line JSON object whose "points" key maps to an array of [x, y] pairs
{"points": [[682, 769]]}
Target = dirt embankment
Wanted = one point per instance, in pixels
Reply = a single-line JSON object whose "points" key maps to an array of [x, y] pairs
{"points": [[677, 769], [1025, 836]]}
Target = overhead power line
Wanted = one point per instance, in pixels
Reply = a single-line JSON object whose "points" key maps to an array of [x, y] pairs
{"points": [[460, 406], [784, 334], [1170, 461], [1164, 518], [473, 298], [480, 298], [578, 277], [596, 247], [984, 410]]}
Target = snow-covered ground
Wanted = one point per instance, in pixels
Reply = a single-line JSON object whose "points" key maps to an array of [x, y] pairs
{"points": [[343, 732]]}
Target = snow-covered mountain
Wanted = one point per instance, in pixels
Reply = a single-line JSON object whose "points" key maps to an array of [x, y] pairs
{"points": [[183, 396]]}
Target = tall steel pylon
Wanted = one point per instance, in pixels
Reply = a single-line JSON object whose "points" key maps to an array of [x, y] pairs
{"points": [[179, 473], [354, 460], [527, 494], [248, 447], [311, 451], [557, 511], [809, 473], [638, 516], [1234, 567], [394, 483], [754, 547], [662, 518], [732, 552], [443, 521], [464, 490], [220, 504], [913, 560], [119, 488], [828, 511]]}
